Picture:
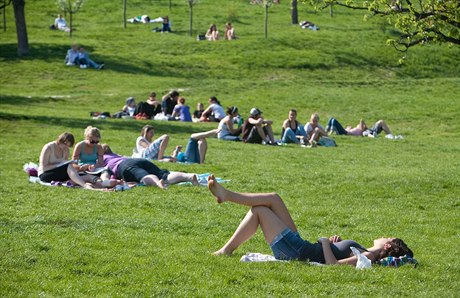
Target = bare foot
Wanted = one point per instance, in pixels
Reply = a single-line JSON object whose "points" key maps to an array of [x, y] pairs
{"points": [[217, 190], [195, 180], [162, 184], [221, 252]]}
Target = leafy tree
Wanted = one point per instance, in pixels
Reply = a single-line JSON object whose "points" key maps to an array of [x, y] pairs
{"points": [[71, 7], [191, 3], [418, 21]]}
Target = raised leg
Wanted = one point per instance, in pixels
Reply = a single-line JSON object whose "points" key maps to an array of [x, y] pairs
{"points": [[269, 222], [261, 132], [206, 134], [202, 149], [289, 136], [270, 200], [384, 126], [269, 130], [163, 145]]}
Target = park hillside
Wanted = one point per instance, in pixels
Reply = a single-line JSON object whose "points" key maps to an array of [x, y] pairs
{"points": [[151, 242]]}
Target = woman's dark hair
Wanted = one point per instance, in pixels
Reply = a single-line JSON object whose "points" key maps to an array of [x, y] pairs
{"points": [[66, 137], [174, 93], [398, 248], [214, 99], [293, 111], [232, 110], [153, 94]]}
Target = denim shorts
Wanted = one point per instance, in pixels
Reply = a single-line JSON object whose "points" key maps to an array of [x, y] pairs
{"points": [[287, 245]]}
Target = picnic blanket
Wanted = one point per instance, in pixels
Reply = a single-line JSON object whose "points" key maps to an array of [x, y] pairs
{"points": [[386, 262], [203, 180]]}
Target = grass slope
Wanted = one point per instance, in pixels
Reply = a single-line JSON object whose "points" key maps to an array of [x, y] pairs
{"points": [[61, 242]]}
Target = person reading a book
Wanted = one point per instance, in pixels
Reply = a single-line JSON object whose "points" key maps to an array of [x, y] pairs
{"points": [[54, 164]]}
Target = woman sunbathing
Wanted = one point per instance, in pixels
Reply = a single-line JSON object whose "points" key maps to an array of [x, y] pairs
{"points": [[141, 170], [270, 213]]}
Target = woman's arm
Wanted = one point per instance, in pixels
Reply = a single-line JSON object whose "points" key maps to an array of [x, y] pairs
{"points": [[286, 124], [229, 124], [77, 151], [254, 121], [100, 157], [143, 144], [44, 159], [330, 258]]}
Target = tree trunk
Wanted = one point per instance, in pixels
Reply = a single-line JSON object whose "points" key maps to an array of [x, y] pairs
{"points": [[331, 10], [124, 14], [294, 13], [71, 26], [170, 5], [266, 21], [191, 19], [21, 29]]}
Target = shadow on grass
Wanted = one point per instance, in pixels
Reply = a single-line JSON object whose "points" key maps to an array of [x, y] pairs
{"points": [[55, 53], [131, 125], [26, 100]]}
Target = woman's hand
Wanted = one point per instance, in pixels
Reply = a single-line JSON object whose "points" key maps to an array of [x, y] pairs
{"points": [[324, 240], [90, 168], [335, 238]]}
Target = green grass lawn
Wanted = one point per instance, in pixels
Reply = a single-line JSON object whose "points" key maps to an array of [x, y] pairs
{"points": [[148, 242]]}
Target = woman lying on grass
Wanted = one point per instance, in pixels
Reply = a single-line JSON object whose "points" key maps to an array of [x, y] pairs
{"points": [[141, 170], [54, 166], [268, 211]]}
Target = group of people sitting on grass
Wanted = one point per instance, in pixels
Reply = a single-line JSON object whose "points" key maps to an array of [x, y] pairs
{"points": [[212, 34], [96, 166], [267, 210]]}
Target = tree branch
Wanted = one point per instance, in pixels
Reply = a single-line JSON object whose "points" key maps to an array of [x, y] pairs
{"points": [[5, 4]]}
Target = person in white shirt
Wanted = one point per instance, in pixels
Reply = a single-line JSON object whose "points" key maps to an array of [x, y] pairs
{"points": [[314, 130], [214, 112], [61, 24], [72, 55]]}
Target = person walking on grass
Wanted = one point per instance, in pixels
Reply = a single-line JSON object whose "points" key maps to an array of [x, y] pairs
{"points": [[268, 211]]}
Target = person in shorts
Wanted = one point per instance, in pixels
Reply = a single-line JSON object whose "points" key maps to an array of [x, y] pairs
{"points": [[257, 130]]}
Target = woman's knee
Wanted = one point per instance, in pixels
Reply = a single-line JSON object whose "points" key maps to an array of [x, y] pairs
{"points": [[259, 209]]}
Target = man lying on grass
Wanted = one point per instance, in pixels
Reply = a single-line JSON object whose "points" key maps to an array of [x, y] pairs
{"points": [[270, 213]]}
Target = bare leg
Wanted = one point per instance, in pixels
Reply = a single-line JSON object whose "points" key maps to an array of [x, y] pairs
{"points": [[384, 126], [73, 174], [269, 222], [152, 180], [203, 135], [270, 200], [261, 132], [163, 145], [177, 177], [202, 149], [268, 127]]}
